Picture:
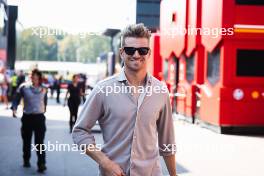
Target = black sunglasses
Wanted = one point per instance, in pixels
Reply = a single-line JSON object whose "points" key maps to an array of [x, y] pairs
{"points": [[131, 50]]}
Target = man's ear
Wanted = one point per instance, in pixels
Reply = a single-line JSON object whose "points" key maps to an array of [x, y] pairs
{"points": [[121, 52], [149, 52]]}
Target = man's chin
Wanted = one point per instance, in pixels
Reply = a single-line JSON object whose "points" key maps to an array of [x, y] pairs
{"points": [[135, 68]]}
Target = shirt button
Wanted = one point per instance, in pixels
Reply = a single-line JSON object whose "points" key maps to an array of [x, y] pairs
{"points": [[132, 165]]}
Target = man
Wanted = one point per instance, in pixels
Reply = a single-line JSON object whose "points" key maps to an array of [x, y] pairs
{"points": [[132, 123], [33, 119], [57, 86], [13, 85], [21, 78]]}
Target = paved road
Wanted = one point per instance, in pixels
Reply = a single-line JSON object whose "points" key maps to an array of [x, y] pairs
{"points": [[200, 151], [59, 163]]}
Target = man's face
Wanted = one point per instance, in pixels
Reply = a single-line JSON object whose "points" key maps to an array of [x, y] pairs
{"points": [[136, 60], [35, 79], [76, 79]]}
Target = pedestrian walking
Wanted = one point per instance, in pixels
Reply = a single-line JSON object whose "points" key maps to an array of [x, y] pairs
{"points": [[4, 82], [13, 85], [33, 119], [57, 86], [20, 78], [75, 93], [51, 81]]}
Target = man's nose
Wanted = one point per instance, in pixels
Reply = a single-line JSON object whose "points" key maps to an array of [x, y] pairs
{"points": [[136, 54]]}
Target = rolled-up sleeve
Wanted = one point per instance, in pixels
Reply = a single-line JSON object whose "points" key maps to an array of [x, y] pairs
{"points": [[91, 112], [165, 126]]}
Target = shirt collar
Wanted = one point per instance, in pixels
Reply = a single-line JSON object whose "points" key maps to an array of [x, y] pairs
{"points": [[122, 76]]}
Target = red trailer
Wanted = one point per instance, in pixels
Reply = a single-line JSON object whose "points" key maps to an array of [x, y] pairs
{"points": [[232, 97], [155, 61], [220, 71], [191, 63], [186, 59], [173, 42]]}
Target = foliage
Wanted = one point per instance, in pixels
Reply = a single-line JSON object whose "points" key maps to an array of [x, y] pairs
{"points": [[63, 47]]}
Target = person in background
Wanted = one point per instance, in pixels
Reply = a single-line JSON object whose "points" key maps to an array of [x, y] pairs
{"points": [[21, 78], [13, 85], [4, 87], [57, 86], [82, 83], [51, 80], [75, 93], [33, 119]]}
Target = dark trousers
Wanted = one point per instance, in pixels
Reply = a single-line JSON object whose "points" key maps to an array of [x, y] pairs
{"points": [[58, 96], [73, 107], [13, 92], [33, 123]]}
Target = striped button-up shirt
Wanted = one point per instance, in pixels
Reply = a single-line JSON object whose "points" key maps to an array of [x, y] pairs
{"points": [[135, 131]]}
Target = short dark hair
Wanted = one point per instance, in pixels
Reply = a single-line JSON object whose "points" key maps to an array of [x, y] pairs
{"points": [[74, 76], [38, 73], [135, 30]]}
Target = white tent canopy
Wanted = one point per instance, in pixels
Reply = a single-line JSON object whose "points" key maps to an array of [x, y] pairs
{"points": [[61, 67]]}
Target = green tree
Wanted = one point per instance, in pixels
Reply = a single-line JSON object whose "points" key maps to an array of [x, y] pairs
{"points": [[62, 47]]}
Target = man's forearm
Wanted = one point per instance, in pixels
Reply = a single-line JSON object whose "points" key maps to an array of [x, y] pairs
{"points": [[170, 162], [97, 155]]}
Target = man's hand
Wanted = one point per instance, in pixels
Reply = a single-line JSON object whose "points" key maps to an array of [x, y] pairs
{"points": [[108, 166], [111, 168]]}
